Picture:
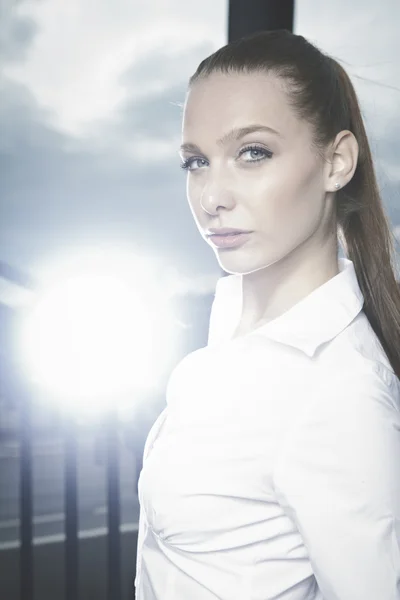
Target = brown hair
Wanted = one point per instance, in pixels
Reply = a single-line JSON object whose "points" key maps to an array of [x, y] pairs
{"points": [[321, 92]]}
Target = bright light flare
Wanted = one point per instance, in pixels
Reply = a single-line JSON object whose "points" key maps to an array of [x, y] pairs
{"points": [[93, 339]]}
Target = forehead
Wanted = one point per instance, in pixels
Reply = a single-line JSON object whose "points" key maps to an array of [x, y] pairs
{"points": [[222, 101]]}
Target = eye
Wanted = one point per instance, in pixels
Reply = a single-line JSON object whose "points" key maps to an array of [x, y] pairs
{"points": [[263, 152], [187, 164]]}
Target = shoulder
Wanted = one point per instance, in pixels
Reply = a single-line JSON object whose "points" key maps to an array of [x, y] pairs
{"points": [[357, 353], [354, 386]]}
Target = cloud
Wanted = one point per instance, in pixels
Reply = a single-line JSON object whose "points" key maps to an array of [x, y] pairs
{"points": [[76, 64], [90, 123], [110, 174], [16, 32]]}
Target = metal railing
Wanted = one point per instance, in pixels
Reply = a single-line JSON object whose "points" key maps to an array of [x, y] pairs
{"points": [[66, 436]]}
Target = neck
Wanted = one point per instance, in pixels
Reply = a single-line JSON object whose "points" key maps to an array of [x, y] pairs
{"points": [[271, 291]]}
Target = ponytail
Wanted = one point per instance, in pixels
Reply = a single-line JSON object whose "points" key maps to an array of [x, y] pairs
{"points": [[367, 238]]}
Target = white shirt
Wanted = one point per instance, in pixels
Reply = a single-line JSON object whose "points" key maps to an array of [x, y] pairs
{"points": [[274, 470]]}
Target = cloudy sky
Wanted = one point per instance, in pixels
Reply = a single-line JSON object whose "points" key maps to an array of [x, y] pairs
{"points": [[90, 122]]}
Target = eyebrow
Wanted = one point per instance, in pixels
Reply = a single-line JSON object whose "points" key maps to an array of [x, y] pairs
{"points": [[234, 134]]}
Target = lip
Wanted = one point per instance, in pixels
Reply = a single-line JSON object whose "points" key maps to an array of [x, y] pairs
{"points": [[225, 231], [231, 240]]}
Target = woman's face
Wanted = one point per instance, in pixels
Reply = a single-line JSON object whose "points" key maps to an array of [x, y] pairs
{"points": [[276, 189]]}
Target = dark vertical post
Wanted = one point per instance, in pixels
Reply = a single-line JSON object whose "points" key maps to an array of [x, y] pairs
{"points": [[26, 499], [114, 508], [249, 16], [71, 510]]}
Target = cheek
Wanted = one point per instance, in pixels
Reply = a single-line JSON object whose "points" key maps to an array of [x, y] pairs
{"points": [[292, 198]]}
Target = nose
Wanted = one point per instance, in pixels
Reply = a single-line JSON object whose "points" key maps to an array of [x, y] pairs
{"points": [[214, 197]]}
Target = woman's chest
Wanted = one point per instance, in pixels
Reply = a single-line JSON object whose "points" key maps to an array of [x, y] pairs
{"points": [[208, 472], [200, 482]]}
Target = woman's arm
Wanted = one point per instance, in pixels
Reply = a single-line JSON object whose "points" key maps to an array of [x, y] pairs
{"points": [[339, 480]]}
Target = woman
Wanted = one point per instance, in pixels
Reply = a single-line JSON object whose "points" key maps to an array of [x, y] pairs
{"points": [[274, 471]]}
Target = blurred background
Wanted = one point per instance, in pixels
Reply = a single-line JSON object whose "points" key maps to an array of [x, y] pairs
{"points": [[105, 283]]}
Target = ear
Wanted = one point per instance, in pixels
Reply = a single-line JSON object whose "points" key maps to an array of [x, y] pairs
{"points": [[343, 161]]}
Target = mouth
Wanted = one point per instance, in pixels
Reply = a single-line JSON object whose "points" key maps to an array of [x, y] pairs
{"points": [[223, 231], [229, 240]]}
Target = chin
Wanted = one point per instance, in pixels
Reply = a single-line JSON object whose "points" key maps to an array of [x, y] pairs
{"points": [[235, 267], [234, 264]]}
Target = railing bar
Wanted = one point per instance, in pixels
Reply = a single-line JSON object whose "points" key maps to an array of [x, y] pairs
{"points": [[114, 508], [26, 501], [71, 511]]}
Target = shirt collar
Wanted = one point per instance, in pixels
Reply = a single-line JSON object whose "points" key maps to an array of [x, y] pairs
{"points": [[314, 320]]}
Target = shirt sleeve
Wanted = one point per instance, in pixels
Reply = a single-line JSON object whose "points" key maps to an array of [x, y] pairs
{"points": [[338, 479], [142, 528], [141, 534]]}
